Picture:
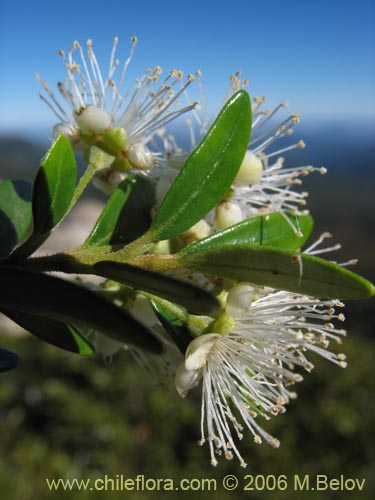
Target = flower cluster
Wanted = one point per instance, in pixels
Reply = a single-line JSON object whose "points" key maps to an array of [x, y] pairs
{"points": [[103, 113], [248, 357]]}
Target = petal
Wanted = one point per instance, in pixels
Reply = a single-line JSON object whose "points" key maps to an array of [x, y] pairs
{"points": [[239, 299], [198, 350], [186, 379]]}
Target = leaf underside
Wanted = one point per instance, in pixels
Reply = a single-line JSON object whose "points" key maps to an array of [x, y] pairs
{"points": [[15, 214], [66, 302], [281, 269], [59, 334], [127, 214]]}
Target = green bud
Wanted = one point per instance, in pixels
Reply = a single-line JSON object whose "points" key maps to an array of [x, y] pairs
{"points": [[223, 324], [114, 140]]}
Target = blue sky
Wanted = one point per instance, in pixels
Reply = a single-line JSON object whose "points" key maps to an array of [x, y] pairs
{"points": [[317, 55]]}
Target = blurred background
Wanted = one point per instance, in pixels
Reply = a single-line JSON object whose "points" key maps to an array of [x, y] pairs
{"points": [[63, 416]]}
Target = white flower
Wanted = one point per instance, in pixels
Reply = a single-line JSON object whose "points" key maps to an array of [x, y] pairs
{"points": [[248, 368], [101, 112], [263, 183]]}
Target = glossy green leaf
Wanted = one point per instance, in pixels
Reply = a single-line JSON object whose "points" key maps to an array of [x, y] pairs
{"points": [[54, 186], [15, 214], [127, 214], [271, 230], [52, 195], [208, 172], [59, 334], [174, 326], [8, 360], [281, 269], [43, 295]]}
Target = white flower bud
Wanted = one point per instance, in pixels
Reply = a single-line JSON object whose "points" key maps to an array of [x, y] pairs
{"points": [[197, 232], [251, 170], [186, 379], [227, 214], [239, 299], [93, 119], [198, 350], [163, 247], [140, 157]]}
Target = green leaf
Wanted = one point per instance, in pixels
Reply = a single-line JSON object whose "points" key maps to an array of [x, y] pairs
{"points": [[8, 360], [43, 295], [15, 214], [271, 230], [52, 195], [59, 334], [195, 299], [54, 186], [173, 325], [127, 213], [280, 269], [208, 172]]}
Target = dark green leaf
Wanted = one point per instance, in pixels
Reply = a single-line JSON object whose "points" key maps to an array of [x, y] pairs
{"points": [[195, 299], [281, 269], [54, 332], [174, 326], [208, 172], [60, 300], [127, 213], [271, 230], [8, 360], [15, 214], [54, 186]]}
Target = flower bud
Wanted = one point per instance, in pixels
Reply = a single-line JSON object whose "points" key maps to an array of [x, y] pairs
{"points": [[114, 140], [140, 157], [93, 119], [251, 170], [197, 232], [163, 247], [227, 214]]}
